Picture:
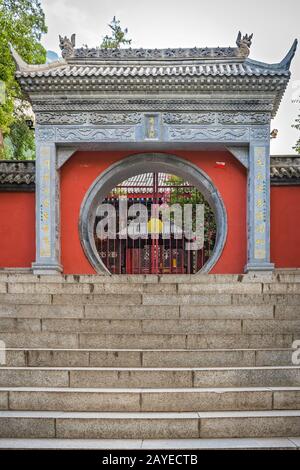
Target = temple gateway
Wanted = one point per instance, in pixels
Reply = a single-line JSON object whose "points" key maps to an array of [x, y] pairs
{"points": [[153, 126], [123, 325]]}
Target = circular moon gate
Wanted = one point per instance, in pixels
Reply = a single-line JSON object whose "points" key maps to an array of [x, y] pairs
{"points": [[142, 163]]}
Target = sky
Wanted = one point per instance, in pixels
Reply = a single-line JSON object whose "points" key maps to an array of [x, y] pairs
{"points": [[190, 23]]}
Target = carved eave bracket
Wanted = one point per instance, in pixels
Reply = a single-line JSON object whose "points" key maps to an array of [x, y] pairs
{"points": [[241, 154], [63, 155]]}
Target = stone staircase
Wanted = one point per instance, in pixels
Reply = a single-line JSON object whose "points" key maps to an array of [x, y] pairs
{"points": [[193, 358]]}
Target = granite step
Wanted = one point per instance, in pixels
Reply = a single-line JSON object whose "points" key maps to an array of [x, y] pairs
{"points": [[97, 377], [142, 288], [151, 326], [278, 443], [146, 425], [21, 357], [156, 298], [190, 358], [55, 340], [149, 399], [24, 311]]}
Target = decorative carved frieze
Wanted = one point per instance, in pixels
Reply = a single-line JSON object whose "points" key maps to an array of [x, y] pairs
{"points": [[165, 54], [241, 51], [56, 118], [260, 133], [121, 118], [88, 118], [208, 134], [243, 118], [45, 134], [94, 135], [216, 118], [201, 118], [189, 118], [144, 104]]}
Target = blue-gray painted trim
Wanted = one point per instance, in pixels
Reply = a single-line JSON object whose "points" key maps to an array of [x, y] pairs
{"points": [[254, 263], [50, 262]]}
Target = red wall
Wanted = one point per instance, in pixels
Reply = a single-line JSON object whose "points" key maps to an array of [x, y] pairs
{"points": [[17, 229], [17, 214], [285, 226], [83, 168]]}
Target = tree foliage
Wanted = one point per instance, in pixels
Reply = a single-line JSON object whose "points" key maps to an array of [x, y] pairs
{"points": [[182, 195], [22, 23], [117, 38]]}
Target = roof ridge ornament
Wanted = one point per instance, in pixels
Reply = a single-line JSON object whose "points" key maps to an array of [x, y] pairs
{"points": [[244, 43], [67, 46]]}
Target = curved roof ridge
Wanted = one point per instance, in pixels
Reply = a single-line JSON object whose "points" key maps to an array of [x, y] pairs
{"points": [[22, 66], [283, 65]]}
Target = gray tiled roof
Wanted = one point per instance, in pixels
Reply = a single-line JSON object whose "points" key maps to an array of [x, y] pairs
{"points": [[143, 183], [247, 68], [140, 71], [285, 169], [17, 174]]}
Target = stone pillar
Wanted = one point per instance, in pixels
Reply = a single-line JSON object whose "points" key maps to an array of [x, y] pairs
{"points": [[258, 211], [47, 210]]}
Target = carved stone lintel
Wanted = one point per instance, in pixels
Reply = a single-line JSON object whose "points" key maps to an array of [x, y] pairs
{"points": [[217, 134]]}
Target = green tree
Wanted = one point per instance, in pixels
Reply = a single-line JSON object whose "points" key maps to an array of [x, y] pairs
{"points": [[297, 126], [22, 23], [117, 38]]}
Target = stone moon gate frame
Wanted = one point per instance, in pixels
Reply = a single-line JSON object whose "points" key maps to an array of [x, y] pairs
{"points": [[149, 162], [159, 100]]}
